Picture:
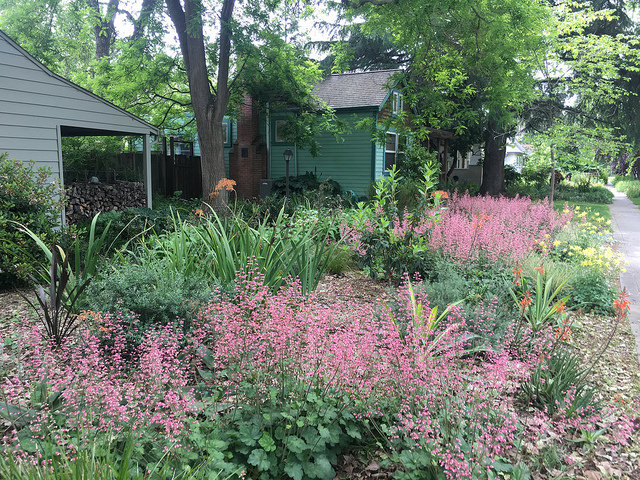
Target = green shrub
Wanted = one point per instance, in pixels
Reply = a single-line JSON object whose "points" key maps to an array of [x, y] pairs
{"points": [[591, 292], [342, 259], [559, 384], [28, 197], [153, 291], [462, 187], [583, 193], [305, 183], [484, 291], [215, 248]]}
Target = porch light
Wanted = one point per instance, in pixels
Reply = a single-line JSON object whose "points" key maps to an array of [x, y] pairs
{"points": [[288, 154]]}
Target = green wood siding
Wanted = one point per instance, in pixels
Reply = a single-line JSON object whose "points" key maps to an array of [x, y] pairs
{"points": [[379, 163], [347, 161]]}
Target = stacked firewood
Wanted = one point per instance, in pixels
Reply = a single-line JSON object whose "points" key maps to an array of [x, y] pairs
{"points": [[85, 199]]}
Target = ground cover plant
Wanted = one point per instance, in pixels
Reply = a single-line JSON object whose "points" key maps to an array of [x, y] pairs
{"points": [[213, 363]]}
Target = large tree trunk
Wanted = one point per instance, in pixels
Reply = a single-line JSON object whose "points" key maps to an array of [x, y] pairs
{"points": [[104, 29], [552, 180], [209, 109], [495, 148]]}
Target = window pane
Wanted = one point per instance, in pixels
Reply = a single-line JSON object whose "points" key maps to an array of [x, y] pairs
{"points": [[391, 142], [278, 134], [389, 160], [225, 130]]}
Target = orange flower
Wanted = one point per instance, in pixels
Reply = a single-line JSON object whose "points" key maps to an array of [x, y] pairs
{"points": [[560, 307], [564, 333], [440, 194], [621, 304], [517, 272], [199, 212], [540, 269], [526, 299], [478, 218], [225, 184]]}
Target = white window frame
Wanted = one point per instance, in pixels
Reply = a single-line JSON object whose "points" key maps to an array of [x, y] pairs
{"points": [[387, 151], [277, 126], [462, 161], [396, 151], [397, 103]]}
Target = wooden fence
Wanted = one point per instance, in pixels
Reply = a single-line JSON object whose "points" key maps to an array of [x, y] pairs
{"points": [[169, 174]]}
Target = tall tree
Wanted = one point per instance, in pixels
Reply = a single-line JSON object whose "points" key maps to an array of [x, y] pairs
{"points": [[580, 81], [242, 39], [468, 64]]}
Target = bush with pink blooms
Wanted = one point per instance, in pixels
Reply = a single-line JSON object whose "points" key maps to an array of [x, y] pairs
{"points": [[280, 386], [392, 243], [489, 228]]}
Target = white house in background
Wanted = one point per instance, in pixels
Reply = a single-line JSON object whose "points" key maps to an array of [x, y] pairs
{"points": [[468, 167], [38, 108], [516, 154]]}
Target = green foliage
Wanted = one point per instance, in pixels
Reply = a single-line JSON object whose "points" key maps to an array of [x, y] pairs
{"points": [[215, 248], [155, 293], [342, 259], [628, 185], [58, 301], [584, 193], [305, 183], [483, 291], [462, 187], [559, 385], [27, 197], [591, 292], [88, 156], [384, 251], [105, 459], [545, 299], [80, 271], [470, 62], [291, 430], [534, 183]]}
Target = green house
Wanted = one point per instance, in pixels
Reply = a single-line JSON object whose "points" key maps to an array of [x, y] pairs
{"points": [[354, 160]]}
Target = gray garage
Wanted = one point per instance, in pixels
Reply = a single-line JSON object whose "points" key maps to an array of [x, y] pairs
{"points": [[38, 108]]}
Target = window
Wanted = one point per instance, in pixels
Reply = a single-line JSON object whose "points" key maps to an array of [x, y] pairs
{"points": [[462, 161], [394, 149], [226, 131], [390, 150], [278, 131], [397, 104]]}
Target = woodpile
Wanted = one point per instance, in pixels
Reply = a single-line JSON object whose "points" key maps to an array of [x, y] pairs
{"points": [[85, 199]]}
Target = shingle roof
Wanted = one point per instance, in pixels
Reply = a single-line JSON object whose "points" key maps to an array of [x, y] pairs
{"points": [[351, 90]]}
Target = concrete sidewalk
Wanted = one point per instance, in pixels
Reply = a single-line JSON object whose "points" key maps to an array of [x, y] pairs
{"points": [[626, 230]]}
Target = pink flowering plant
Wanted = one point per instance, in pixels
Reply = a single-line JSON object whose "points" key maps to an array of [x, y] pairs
{"points": [[488, 228], [390, 242]]}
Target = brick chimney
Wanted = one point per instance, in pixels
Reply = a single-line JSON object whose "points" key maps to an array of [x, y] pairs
{"points": [[248, 157]]}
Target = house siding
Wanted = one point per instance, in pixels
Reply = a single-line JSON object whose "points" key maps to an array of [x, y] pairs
{"points": [[347, 161], [33, 103]]}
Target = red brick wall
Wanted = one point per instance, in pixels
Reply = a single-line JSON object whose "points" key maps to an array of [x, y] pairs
{"points": [[248, 157]]}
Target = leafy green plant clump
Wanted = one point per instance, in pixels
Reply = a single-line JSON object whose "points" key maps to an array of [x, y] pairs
{"points": [[155, 293], [590, 292], [27, 197], [628, 185]]}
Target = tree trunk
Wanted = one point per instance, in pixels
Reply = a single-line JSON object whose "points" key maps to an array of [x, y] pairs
{"points": [[104, 29], [211, 139], [552, 180], [495, 148], [209, 109]]}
